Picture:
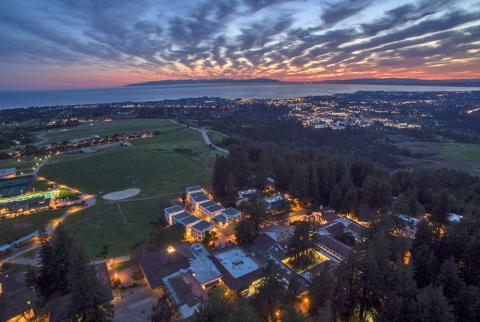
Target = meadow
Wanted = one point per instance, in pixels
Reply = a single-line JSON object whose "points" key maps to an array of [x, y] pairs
{"points": [[160, 166], [102, 128], [467, 152]]}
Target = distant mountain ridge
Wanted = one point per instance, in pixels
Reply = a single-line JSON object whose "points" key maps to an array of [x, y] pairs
{"points": [[208, 81], [475, 82]]}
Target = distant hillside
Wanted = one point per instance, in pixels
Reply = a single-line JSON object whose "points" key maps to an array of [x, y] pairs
{"points": [[208, 81], [408, 81]]}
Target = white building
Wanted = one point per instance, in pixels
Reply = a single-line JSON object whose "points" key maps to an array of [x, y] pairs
{"points": [[197, 198], [170, 212], [200, 228], [246, 195], [210, 209]]}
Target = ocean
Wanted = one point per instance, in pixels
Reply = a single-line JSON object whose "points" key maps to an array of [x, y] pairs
{"points": [[14, 99]]}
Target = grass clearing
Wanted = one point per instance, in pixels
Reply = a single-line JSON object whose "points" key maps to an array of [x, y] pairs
{"points": [[107, 128], [157, 166], [14, 228], [463, 151]]}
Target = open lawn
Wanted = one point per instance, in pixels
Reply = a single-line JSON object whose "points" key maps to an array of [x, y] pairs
{"points": [[467, 152], [12, 229], [161, 167], [107, 128]]}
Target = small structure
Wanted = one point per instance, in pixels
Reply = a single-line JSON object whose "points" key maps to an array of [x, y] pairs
{"points": [[192, 190], [277, 205], [232, 214], [241, 272], [408, 226], [246, 195], [171, 211], [8, 172], [456, 218], [279, 233], [200, 228]]}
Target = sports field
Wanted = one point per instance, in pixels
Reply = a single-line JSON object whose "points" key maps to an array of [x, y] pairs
{"points": [[467, 152], [161, 167]]}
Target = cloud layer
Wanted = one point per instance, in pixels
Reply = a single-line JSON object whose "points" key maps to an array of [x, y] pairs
{"points": [[68, 43]]}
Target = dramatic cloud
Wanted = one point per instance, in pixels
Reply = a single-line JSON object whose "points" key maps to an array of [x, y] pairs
{"points": [[68, 43]]}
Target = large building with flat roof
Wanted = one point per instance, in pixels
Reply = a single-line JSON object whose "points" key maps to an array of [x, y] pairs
{"points": [[239, 270]]}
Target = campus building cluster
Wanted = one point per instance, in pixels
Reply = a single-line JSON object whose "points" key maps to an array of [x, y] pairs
{"points": [[201, 214]]}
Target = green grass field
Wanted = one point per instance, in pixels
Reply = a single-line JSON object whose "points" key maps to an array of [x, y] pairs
{"points": [[108, 128], [12, 229], [161, 166], [467, 152]]}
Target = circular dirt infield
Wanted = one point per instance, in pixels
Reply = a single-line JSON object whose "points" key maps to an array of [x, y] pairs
{"points": [[120, 195]]}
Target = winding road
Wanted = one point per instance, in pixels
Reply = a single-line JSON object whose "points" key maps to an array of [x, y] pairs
{"points": [[205, 136]]}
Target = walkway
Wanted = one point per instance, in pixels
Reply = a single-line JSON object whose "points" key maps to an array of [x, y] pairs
{"points": [[205, 136]]}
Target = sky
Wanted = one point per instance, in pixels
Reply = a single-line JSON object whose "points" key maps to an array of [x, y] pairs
{"points": [[105, 43]]}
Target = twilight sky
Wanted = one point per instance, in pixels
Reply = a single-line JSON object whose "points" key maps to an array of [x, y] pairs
{"points": [[75, 44]]}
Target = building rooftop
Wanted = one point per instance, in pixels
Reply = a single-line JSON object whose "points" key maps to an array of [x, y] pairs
{"points": [[199, 196], [274, 199], [7, 172], [334, 245], [231, 212], [243, 193], [190, 219], [186, 292], [208, 204], [181, 215], [16, 297], [237, 262], [220, 218], [173, 209], [193, 189], [408, 219], [455, 217], [202, 225], [159, 264], [204, 270], [239, 270], [215, 207]]}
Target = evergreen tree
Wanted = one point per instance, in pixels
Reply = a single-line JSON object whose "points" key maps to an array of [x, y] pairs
{"points": [[220, 172], [271, 293], [336, 198], [230, 190], [431, 306], [292, 315], [245, 232], [300, 246], [299, 186], [90, 300], [62, 246], [321, 289], [165, 310], [44, 280]]}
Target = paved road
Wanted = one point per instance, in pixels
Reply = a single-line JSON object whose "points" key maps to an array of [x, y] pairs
{"points": [[205, 137]]}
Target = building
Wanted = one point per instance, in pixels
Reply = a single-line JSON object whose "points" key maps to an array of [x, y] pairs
{"points": [[276, 205], [200, 228], [408, 226], [279, 233], [8, 172], [191, 190], [16, 297], [456, 218], [170, 212], [232, 214], [197, 198], [160, 264], [332, 247], [246, 195], [241, 272], [187, 293], [221, 221], [210, 208]]}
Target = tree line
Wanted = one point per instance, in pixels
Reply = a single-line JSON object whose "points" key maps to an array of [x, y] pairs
{"points": [[66, 270]]}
